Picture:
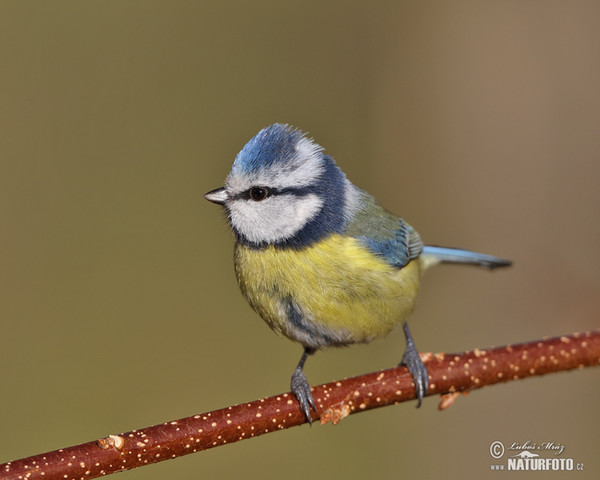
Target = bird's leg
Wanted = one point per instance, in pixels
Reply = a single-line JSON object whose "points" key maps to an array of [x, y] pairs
{"points": [[415, 365], [301, 388]]}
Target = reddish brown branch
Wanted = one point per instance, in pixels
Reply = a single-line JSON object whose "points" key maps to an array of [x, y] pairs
{"points": [[449, 373]]}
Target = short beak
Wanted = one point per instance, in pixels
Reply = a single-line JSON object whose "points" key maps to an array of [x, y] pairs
{"points": [[218, 196]]}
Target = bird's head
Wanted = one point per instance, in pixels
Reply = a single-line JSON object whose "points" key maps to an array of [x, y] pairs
{"points": [[283, 190]]}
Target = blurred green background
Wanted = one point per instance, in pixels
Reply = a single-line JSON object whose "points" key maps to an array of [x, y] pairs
{"points": [[478, 122]]}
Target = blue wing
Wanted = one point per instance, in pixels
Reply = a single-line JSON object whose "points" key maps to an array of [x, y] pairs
{"points": [[391, 238], [403, 245], [385, 234]]}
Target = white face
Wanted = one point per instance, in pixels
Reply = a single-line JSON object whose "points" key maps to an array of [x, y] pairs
{"points": [[276, 218], [279, 216]]}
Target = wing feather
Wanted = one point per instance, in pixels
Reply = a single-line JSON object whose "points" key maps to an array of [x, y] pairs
{"points": [[384, 233]]}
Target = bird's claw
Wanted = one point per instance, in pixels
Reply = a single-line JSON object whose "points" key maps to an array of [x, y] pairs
{"points": [[301, 390], [416, 367]]}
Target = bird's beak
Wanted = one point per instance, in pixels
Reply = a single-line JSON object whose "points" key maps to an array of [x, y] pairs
{"points": [[218, 196]]}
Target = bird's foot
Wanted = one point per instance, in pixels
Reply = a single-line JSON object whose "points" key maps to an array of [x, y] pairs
{"points": [[416, 367], [301, 390]]}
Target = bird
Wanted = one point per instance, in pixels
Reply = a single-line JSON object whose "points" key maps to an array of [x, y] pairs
{"points": [[318, 258]]}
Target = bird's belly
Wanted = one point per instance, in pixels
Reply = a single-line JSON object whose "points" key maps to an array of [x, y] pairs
{"points": [[333, 293]]}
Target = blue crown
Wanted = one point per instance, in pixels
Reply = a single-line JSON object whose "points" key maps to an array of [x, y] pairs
{"points": [[273, 144]]}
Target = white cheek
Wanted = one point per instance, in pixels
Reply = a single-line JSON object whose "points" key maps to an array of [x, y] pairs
{"points": [[274, 219]]}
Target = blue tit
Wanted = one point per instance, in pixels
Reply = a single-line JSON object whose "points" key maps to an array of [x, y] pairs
{"points": [[317, 257]]}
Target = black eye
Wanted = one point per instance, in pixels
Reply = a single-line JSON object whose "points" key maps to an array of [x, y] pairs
{"points": [[259, 193]]}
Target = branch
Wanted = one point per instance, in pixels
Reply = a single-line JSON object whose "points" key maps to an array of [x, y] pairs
{"points": [[449, 374]]}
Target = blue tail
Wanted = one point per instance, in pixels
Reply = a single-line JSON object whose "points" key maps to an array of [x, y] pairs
{"points": [[457, 255]]}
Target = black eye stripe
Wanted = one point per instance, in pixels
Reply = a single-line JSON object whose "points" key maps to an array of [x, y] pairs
{"points": [[296, 191]]}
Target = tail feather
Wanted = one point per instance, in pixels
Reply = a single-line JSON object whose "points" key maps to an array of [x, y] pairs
{"points": [[457, 255]]}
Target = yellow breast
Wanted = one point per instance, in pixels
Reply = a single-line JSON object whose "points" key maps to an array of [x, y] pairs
{"points": [[333, 293]]}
